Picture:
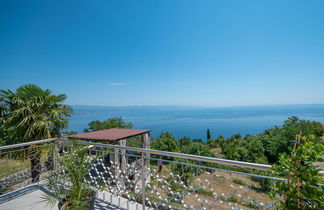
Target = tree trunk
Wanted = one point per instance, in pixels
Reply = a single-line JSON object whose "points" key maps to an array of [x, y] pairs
{"points": [[35, 166], [49, 164]]}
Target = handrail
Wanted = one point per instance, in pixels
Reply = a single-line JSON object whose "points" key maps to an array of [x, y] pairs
{"points": [[178, 155], [27, 143], [181, 155], [155, 152]]}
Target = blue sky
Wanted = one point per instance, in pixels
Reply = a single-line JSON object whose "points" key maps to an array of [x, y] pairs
{"points": [[166, 52]]}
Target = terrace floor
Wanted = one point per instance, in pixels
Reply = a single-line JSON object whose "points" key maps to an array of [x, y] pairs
{"points": [[30, 198]]}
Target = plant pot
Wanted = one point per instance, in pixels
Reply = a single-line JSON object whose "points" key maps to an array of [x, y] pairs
{"points": [[64, 204]]}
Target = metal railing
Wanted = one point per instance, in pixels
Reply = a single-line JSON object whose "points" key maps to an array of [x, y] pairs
{"points": [[24, 164], [128, 177]]}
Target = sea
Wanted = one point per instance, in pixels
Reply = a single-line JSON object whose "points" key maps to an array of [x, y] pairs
{"points": [[193, 121]]}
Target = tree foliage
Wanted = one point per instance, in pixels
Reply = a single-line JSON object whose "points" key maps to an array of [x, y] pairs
{"points": [[208, 134], [31, 113], [113, 122], [197, 141], [215, 142], [196, 148], [269, 145], [184, 141], [186, 172], [301, 191], [166, 142], [4, 133], [277, 140], [74, 168], [68, 133], [266, 147], [249, 149]]}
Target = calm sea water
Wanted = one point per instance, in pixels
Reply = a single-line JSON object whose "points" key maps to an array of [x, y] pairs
{"points": [[194, 121]]}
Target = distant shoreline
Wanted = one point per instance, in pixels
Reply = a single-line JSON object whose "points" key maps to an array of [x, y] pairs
{"points": [[195, 106]]}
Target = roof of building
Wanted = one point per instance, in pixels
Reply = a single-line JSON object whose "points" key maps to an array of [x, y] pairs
{"points": [[112, 134]]}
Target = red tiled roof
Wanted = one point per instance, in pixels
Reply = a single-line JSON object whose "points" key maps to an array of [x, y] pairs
{"points": [[112, 134]]}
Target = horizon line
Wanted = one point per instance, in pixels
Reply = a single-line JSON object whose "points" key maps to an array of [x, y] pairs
{"points": [[215, 106]]}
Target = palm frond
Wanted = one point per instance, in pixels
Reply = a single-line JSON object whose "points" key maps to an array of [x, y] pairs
{"points": [[34, 112]]}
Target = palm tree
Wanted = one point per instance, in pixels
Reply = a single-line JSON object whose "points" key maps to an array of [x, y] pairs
{"points": [[34, 114]]}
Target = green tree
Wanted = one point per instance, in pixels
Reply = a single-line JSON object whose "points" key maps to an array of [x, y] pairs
{"points": [[197, 141], [69, 133], [187, 172], [302, 190], [134, 142], [220, 141], [269, 145], [277, 140], [75, 167], [184, 141], [5, 133], [33, 114], [197, 148], [208, 134], [255, 150], [249, 149], [184, 171], [234, 148], [214, 143], [2, 126], [113, 122], [166, 142]]}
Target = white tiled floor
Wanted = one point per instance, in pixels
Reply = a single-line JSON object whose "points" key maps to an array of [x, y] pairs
{"points": [[29, 201], [32, 200]]}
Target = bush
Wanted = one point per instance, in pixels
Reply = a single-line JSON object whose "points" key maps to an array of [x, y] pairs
{"points": [[301, 191], [165, 142], [265, 184], [187, 172], [184, 141], [184, 171], [239, 181], [113, 122]]}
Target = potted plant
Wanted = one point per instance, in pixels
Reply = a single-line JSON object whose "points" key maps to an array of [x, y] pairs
{"points": [[67, 183]]}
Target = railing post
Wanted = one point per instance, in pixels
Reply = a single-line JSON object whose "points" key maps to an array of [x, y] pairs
{"points": [[160, 164], [143, 180], [123, 166], [145, 164], [58, 149], [123, 163], [117, 165]]}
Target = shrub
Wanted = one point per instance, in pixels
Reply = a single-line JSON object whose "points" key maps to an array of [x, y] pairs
{"points": [[301, 190], [239, 181], [67, 183]]}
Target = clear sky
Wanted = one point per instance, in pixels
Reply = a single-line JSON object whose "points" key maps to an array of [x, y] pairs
{"points": [[166, 52]]}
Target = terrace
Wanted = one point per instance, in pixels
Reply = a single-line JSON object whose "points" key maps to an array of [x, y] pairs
{"points": [[133, 178]]}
